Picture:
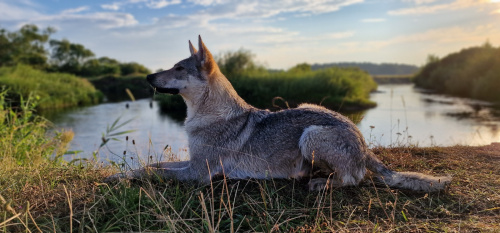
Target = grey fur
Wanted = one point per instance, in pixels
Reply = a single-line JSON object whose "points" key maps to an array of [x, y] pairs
{"points": [[228, 136]]}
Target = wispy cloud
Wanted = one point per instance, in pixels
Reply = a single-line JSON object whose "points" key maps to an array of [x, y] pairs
{"points": [[75, 10], [153, 4], [157, 4], [113, 6], [9, 12], [424, 7], [374, 20], [105, 20]]}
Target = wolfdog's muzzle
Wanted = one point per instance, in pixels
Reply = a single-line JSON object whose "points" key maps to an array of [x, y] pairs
{"points": [[151, 79]]}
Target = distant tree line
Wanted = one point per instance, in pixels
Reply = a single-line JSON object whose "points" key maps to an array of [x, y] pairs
{"points": [[372, 68], [473, 72], [32, 46]]}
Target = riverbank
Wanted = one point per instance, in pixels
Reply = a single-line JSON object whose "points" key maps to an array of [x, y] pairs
{"points": [[49, 197]]}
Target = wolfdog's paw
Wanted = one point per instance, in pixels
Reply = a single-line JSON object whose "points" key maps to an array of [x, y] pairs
{"points": [[319, 184], [114, 178]]}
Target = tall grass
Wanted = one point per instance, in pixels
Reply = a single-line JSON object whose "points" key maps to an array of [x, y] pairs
{"points": [[341, 89], [23, 139], [54, 90]]}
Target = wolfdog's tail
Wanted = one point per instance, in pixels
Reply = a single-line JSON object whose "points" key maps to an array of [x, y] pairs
{"points": [[405, 180]]}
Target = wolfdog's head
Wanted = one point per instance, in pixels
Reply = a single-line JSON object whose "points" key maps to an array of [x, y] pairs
{"points": [[188, 77]]}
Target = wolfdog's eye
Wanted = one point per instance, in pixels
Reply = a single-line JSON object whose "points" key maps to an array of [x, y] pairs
{"points": [[179, 68]]}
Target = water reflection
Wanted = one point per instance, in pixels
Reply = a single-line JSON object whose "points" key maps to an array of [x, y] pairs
{"points": [[152, 131], [407, 115]]}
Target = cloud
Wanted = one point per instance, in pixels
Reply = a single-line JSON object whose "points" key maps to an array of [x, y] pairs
{"points": [[258, 9], [207, 2], [423, 7], [293, 37], [157, 4], [10, 12], [373, 20], [75, 10], [420, 2], [153, 4], [113, 6], [442, 36]]}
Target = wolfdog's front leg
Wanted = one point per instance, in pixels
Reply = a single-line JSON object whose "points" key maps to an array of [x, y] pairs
{"points": [[182, 170]]}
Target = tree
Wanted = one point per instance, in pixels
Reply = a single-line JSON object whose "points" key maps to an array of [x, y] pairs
{"points": [[234, 63], [133, 68], [25, 46], [69, 57], [431, 58], [302, 67]]}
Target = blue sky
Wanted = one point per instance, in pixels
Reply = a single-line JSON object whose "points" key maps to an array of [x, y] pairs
{"points": [[280, 33]]}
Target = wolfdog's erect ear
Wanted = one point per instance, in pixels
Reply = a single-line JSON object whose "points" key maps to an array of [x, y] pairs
{"points": [[192, 49], [205, 58]]}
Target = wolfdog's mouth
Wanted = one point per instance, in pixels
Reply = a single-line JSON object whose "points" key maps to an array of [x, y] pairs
{"points": [[173, 91]]}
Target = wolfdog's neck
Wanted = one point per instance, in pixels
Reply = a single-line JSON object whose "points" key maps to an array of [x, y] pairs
{"points": [[218, 101]]}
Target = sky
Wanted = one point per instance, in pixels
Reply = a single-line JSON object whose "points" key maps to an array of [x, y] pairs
{"points": [[279, 33]]}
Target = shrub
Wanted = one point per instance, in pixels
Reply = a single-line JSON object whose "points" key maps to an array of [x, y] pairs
{"points": [[472, 72], [55, 90]]}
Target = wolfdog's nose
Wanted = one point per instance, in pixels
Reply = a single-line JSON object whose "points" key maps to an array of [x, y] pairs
{"points": [[150, 77]]}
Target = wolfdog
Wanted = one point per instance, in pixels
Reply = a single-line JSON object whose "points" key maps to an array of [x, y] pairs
{"points": [[229, 137]]}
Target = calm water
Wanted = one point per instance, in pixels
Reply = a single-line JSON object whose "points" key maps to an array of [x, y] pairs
{"points": [[404, 116]]}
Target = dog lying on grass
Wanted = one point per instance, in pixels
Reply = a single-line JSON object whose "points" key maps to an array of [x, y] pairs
{"points": [[227, 136]]}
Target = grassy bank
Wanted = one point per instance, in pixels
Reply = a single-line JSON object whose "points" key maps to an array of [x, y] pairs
{"points": [[60, 198], [344, 89], [41, 193], [472, 72], [54, 90]]}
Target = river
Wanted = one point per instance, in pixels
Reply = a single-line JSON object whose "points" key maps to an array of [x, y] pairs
{"points": [[404, 116]]}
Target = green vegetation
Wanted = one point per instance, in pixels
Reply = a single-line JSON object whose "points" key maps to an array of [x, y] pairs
{"points": [[26, 66], [114, 88], [23, 138], [473, 72], [55, 90], [336, 88], [372, 68]]}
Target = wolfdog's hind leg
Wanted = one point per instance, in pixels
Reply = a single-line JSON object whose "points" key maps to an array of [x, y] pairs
{"points": [[340, 149]]}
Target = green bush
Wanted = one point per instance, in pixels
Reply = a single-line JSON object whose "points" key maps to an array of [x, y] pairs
{"points": [[55, 90], [335, 88], [473, 72]]}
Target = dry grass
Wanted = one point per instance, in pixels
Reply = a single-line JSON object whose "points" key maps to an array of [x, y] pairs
{"points": [[52, 198]]}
